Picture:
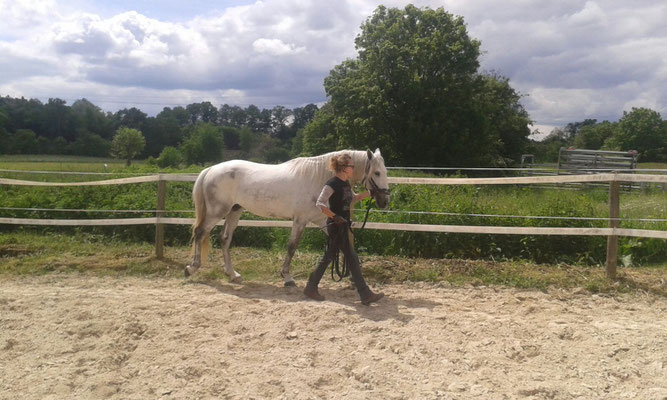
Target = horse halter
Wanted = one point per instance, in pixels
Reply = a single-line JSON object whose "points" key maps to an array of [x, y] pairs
{"points": [[374, 189]]}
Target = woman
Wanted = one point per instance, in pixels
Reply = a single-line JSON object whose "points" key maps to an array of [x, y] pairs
{"points": [[335, 202]]}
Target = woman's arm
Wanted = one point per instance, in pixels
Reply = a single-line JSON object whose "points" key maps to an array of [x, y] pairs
{"points": [[361, 196], [323, 201]]}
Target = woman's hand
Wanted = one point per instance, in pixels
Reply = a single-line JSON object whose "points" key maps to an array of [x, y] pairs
{"points": [[337, 219]]}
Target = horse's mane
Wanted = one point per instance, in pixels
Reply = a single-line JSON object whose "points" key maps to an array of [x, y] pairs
{"points": [[316, 169]]}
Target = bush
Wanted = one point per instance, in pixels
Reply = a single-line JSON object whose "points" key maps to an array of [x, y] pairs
{"points": [[90, 144], [203, 145], [276, 155], [170, 157]]}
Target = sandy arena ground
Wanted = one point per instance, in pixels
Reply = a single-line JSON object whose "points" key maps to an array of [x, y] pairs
{"points": [[73, 337]]}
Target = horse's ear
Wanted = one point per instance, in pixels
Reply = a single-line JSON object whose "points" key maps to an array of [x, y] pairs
{"points": [[377, 151], [370, 154]]}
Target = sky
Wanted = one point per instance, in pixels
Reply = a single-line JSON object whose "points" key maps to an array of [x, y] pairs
{"points": [[571, 60]]}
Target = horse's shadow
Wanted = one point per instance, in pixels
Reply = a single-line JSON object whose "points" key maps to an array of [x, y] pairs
{"points": [[388, 307]]}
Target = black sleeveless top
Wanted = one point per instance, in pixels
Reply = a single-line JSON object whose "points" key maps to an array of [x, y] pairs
{"points": [[340, 200]]}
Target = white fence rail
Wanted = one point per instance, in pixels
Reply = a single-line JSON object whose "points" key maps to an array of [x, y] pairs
{"points": [[612, 231]]}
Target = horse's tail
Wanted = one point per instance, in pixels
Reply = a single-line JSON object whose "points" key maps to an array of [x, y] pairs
{"points": [[200, 214]]}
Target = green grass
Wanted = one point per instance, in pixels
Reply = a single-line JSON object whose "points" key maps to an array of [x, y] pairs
{"points": [[29, 254], [651, 165], [61, 163]]}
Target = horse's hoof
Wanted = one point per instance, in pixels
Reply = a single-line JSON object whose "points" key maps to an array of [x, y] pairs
{"points": [[290, 284], [237, 280], [186, 271]]}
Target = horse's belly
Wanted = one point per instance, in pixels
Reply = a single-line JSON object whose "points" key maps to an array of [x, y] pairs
{"points": [[268, 204]]}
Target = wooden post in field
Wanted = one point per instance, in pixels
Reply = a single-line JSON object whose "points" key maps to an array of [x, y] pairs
{"points": [[159, 227], [612, 240]]}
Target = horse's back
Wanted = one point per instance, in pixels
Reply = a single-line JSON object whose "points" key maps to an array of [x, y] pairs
{"points": [[248, 172], [263, 189]]}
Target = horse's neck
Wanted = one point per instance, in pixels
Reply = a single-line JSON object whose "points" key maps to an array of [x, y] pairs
{"points": [[360, 159]]}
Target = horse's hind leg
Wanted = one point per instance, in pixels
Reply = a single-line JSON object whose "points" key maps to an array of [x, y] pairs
{"points": [[295, 237], [231, 222], [200, 235]]}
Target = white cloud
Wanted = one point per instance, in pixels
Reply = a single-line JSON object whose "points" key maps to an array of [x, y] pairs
{"points": [[275, 47], [573, 59], [18, 16]]}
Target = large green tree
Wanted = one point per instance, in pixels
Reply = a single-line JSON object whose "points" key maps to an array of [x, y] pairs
{"points": [[641, 129], [414, 91]]}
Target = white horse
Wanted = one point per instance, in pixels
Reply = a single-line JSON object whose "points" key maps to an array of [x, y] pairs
{"points": [[288, 190]]}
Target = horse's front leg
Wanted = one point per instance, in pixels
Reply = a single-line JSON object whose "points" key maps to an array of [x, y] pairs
{"points": [[297, 229]]}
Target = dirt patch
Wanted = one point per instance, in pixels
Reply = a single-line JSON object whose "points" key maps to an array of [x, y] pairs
{"points": [[134, 338]]}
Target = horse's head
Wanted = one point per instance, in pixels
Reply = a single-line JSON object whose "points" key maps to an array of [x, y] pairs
{"points": [[375, 178]]}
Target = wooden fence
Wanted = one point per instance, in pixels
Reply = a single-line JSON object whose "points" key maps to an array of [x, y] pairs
{"points": [[613, 231]]}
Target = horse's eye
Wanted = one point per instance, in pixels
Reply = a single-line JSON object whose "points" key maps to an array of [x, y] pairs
{"points": [[377, 173]]}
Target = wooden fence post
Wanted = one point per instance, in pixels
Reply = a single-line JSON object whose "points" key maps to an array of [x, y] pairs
{"points": [[159, 227], [612, 240]]}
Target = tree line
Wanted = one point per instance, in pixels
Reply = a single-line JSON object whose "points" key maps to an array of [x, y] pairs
{"points": [[415, 90], [640, 129], [29, 126]]}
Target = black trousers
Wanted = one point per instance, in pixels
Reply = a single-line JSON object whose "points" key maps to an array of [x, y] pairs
{"points": [[340, 237]]}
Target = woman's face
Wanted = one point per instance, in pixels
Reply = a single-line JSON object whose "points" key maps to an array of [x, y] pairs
{"points": [[349, 169]]}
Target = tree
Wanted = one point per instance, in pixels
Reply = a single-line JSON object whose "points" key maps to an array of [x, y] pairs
{"points": [[90, 118], [90, 144], [319, 136], [643, 130], [593, 137], [258, 120], [248, 140], [302, 116], [57, 120], [24, 141], [547, 150], [230, 137], [178, 114], [161, 131], [203, 144], [279, 122], [130, 117], [127, 144], [573, 129], [232, 116], [414, 91], [504, 121], [4, 118]]}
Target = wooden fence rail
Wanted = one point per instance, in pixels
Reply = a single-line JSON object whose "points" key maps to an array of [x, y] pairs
{"points": [[612, 231]]}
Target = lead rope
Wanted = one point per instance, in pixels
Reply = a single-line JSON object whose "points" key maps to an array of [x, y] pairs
{"points": [[335, 265], [340, 271]]}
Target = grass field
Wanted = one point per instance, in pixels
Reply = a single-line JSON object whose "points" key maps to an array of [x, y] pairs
{"points": [[37, 254], [60, 163]]}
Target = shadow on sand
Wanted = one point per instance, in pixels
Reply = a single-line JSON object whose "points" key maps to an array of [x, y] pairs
{"points": [[389, 307]]}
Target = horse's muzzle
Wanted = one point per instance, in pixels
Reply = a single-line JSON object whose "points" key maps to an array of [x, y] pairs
{"points": [[381, 197]]}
